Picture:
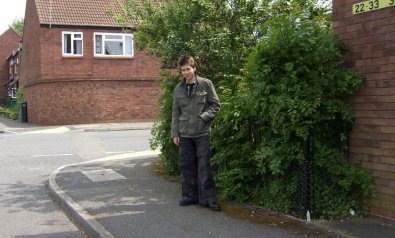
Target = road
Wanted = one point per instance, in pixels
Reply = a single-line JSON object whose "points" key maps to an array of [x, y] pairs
{"points": [[27, 160]]}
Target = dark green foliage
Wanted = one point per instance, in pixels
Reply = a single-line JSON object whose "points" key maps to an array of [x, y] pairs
{"points": [[294, 88], [161, 129], [278, 72], [9, 112]]}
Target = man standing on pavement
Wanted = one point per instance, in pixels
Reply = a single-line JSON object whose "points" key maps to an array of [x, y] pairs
{"points": [[195, 104]]}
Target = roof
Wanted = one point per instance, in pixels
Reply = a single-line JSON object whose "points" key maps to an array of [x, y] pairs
{"points": [[77, 12], [10, 30]]}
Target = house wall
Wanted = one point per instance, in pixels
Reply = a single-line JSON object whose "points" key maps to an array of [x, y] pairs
{"points": [[30, 55], [56, 67], [9, 42], [76, 102], [370, 37], [87, 89]]}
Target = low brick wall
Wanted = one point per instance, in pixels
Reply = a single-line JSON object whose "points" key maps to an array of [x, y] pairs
{"points": [[60, 102]]}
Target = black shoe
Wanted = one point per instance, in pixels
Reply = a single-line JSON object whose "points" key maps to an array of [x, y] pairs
{"points": [[187, 202], [213, 206]]}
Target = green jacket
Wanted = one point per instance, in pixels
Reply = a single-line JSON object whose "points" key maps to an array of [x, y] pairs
{"points": [[191, 115]]}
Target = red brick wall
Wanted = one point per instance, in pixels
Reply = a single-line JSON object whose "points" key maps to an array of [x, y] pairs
{"points": [[370, 38], [30, 55], [9, 42], [92, 101], [54, 66]]}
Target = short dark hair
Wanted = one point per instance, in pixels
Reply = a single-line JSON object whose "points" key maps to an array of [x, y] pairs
{"points": [[186, 59]]}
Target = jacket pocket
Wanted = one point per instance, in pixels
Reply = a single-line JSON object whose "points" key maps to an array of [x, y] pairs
{"points": [[183, 124], [202, 126], [201, 97], [182, 100]]}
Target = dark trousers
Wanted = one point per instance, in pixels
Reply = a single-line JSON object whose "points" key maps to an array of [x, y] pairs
{"points": [[197, 178]]}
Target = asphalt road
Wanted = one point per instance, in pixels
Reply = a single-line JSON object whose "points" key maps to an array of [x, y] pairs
{"points": [[27, 160]]}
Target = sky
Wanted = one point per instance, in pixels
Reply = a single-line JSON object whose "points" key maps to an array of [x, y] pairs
{"points": [[10, 10]]}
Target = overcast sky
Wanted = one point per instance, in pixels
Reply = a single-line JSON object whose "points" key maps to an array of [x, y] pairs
{"points": [[10, 10]]}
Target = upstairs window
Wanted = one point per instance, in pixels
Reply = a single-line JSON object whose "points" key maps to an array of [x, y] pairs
{"points": [[72, 43], [10, 71], [113, 45]]}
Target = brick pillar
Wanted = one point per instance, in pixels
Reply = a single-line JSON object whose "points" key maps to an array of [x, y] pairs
{"points": [[370, 37]]}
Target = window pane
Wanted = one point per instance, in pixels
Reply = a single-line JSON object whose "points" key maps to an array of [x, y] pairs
{"points": [[67, 44], [99, 44], [78, 36], [113, 37], [113, 48], [129, 45], [77, 47]]}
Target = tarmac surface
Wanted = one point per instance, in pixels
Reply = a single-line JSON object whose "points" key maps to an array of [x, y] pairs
{"points": [[125, 196]]}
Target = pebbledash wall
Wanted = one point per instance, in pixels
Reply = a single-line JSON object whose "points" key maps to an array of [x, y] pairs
{"points": [[370, 37], [73, 90]]}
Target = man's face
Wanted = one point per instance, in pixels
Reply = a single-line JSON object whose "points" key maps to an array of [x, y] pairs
{"points": [[188, 72]]}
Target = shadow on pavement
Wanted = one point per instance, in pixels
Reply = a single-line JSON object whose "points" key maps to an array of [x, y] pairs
{"points": [[21, 197]]}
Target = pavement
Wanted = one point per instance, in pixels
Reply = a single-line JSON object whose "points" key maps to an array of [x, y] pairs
{"points": [[127, 196]]}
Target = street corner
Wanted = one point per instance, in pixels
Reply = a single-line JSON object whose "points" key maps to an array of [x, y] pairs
{"points": [[74, 210], [98, 169], [69, 184]]}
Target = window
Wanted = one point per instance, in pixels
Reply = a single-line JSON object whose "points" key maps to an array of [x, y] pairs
{"points": [[10, 67], [72, 43], [113, 44]]}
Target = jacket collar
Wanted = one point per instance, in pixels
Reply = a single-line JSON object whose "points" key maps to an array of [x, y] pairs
{"points": [[198, 80]]}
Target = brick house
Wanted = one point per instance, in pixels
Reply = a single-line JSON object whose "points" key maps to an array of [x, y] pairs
{"points": [[9, 42], [370, 37], [79, 66], [12, 84]]}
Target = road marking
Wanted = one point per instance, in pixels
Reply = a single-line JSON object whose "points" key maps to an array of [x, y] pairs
{"points": [[11, 132], [53, 155], [146, 164], [124, 156], [129, 165], [102, 175], [119, 152], [61, 129]]}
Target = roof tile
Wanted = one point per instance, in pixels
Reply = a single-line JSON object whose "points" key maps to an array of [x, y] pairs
{"points": [[77, 12]]}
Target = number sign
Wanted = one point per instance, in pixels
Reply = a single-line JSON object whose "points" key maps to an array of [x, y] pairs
{"points": [[371, 5]]}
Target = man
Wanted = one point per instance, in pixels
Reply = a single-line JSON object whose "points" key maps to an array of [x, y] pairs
{"points": [[195, 104]]}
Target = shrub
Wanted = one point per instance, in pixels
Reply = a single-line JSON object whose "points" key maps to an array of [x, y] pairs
{"points": [[295, 88]]}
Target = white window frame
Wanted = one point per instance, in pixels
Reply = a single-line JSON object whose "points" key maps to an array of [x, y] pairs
{"points": [[104, 34], [72, 33]]}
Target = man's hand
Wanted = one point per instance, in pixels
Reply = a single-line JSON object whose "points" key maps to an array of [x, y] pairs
{"points": [[176, 141]]}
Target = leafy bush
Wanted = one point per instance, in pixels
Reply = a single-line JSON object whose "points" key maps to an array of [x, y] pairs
{"points": [[19, 95], [8, 112], [294, 89], [161, 129]]}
